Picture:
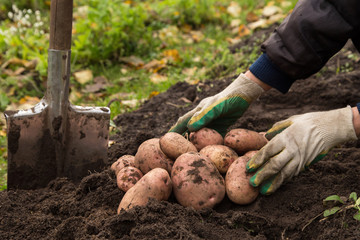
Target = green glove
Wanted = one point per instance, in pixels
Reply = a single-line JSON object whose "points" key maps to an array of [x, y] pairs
{"points": [[297, 143], [221, 110]]}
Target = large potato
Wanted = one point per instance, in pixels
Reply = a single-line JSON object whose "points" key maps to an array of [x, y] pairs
{"points": [[205, 137], [155, 184], [150, 156], [244, 140], [174, 144], [222, 156], [238, 188], [127, 177], [123, 161], [196, 181]]}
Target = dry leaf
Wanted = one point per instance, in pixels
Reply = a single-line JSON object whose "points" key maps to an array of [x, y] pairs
{"points": [[153, 94], [172, 54], [100, 83], [261, 23], [233, 40], [83, 76], [235, 23], [189, 71], [251, 17], [130, 103], [133, 61], [157, 78], [243, 30], [155, 65], [197, 36], [271, 10], [234, 9], [275, 18]]}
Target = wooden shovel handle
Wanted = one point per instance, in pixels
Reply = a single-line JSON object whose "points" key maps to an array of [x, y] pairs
{"points": [[61, 12]]}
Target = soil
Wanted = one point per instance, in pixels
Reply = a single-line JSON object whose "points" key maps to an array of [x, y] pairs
{"points": [[64, 210]]}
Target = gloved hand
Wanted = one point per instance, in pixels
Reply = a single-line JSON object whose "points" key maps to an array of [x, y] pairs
{"points": [[221, 110], [300, 141]]}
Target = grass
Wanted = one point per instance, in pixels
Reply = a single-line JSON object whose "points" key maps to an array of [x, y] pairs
{"points": [[190, 37]]}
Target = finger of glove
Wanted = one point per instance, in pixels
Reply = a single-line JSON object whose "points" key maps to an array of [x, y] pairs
{"points": [[181, 125], [221, 107], [278, 128], [270, 150], [317, 158], [273, 183]]}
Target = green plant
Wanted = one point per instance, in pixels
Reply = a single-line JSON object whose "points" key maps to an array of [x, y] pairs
{"points": [[353, 202]]}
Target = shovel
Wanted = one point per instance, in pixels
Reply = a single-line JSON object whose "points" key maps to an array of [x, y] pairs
{"points": [[55, 138]]}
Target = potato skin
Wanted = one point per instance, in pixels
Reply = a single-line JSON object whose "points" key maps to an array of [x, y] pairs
{"points": [[127, 177], [123, 161], [174, 144], [222, 156], [205, 137], [150, 156], [196, 181], [155, 184], [238, 188], [244, 140]]}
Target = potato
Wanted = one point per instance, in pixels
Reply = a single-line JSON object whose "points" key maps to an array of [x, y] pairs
{"points": [[150, 156], [205, 137], [155, 184], [222, 156], [238, 188], [127, 177], [123, 161], [244, 140], [196, 181], [250, 154], [174, 144]]}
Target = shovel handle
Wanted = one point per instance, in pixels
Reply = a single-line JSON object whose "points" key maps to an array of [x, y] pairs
{"points": [[61, 13]]}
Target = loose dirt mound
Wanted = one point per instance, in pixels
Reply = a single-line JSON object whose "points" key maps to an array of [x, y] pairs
{"points": [[88, 210]]}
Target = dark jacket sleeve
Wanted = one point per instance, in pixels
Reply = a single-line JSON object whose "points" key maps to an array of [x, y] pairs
{"points": [[306, 40]]}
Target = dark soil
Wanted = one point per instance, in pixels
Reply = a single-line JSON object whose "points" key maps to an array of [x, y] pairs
{"points": [[64, 210]]}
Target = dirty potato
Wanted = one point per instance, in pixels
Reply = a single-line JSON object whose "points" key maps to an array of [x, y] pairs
{"points": [[238, 188], [155, 184], [123, 161], [222, 156], [127, 177], [196, 181], [150, 156], [174, 144], [205, 137], [244, 140]]}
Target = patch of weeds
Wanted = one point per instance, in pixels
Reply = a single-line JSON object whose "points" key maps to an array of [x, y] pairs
{"points": [[341, 204], [3, 163]]}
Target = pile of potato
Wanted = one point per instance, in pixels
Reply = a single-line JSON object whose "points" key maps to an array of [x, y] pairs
{"points": [[199, 170]]}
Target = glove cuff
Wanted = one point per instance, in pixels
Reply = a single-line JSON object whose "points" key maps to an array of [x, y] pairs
{"points": [[246, 88], [342, 131]]}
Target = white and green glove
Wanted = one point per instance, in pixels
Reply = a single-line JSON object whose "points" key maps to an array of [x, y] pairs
{"points": [[221, 110], [298, 142]]}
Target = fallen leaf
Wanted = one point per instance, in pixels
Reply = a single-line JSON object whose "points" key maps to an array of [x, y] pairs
{"points": [[243, 30], [271, 10], [234, 9], [100, 83], [153, 94], [233, 40], [172, 54], [155, 65], [83, 76], [261, 23], [275, 18], [157, 78], [130, 103], [132, 61], [251, 17], [197, 36], [189, 71], [235, 23]]}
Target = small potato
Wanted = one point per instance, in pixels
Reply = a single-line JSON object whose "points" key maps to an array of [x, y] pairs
{"points": [[222, 156], [127, 177], [244, 140], [150, 156], [205, 137], [155, 184], [123, 161], [196, 181], [238, 188], [174, 144]]}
